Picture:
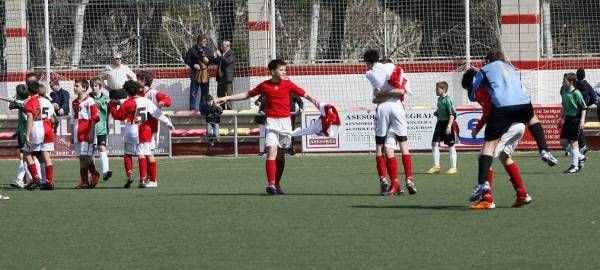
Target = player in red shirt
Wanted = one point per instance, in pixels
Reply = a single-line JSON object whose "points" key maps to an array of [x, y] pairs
{"points": [[506, 146], [39, 136], [83, 119], [276, 96], [161, 100], [135, 111]]}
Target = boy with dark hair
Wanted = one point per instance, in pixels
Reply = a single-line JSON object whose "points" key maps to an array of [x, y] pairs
{"points": [[391, 127], [589, 96], [212, 113], [572, 121], [60, 99], [134, 111], [444, 129], [506, 146], [101, 126], [160, 100], [276, 93], [511, 104], [39, 135], [84, 118], [18, 102]]}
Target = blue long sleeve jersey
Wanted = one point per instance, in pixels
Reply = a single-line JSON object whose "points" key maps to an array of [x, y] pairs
{"points": [[505, 88]]}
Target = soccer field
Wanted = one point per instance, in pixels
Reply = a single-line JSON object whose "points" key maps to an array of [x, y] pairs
{"points": [[211, 213]]}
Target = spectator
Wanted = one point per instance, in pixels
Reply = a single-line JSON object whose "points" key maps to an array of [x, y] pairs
{"points": [[589, 96], [198, 58], [116, 75], [60, 99], [295, 111], [225, 71], [212, 112], [32, 76], [261, 121]]}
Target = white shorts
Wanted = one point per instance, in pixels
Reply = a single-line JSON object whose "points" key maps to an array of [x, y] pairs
{"points": [[274, 135], [509, 140], [84, 149], [154, 141], [390, 116], [46, 147], [138, 149], [390, 141]]}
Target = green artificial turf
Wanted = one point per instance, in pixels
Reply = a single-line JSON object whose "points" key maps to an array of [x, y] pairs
{"points": [[211, 213]]}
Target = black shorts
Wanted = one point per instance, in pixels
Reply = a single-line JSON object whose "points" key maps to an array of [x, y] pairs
{"points": [[101, 139], [439, 135], [570, 130], [502, 118]]}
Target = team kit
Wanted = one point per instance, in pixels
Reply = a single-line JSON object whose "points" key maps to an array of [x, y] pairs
{"points": [[507, 113]]}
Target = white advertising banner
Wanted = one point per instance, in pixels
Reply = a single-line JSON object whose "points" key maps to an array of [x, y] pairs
{"points": [[357, 132]]}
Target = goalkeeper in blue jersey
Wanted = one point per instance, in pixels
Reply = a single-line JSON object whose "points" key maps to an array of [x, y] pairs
{"points": [[511, 104]]}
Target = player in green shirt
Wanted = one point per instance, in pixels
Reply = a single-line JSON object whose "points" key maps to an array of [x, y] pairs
{"points": [[102, 125], [18, 102], [572, 121], [444, 131]]}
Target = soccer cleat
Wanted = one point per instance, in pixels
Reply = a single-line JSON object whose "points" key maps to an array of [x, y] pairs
{"points": [[129, 182], [549, 158], [572, 169], [394, 191], [483, 205], [32, 185], [271, 190], [291, 151], [151, 184], [17, 183], [107, 175], [584, 150], [452, 171], [582, 161], [520, 201], [479, 191], [94, 182], [82, 185], [143, 183], [434, 169], [384, 186], [410, 185], [278, 190], [4, 198], [47, 186]]}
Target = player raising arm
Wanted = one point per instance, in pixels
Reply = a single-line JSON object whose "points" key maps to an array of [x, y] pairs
{"points": [[276, 96]]}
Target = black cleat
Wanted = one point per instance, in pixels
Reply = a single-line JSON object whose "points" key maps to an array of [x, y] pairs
{"points": [[107, 175], [271, 190], [47, 186], [128, 184]]}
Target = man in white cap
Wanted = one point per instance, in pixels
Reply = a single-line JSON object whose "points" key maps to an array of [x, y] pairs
{"points": [[116, 74]]}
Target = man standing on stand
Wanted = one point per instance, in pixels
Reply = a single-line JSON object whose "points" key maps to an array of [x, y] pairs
{"points": [[198, 58], [116, 75], [225, 71]]}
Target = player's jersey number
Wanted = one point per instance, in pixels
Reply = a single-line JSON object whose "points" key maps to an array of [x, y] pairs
{"points": [[41, 113]]}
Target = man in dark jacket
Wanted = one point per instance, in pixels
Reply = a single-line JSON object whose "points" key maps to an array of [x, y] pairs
{"points": [[225, 71], [198, 58], [60, 99], [589, 96]]}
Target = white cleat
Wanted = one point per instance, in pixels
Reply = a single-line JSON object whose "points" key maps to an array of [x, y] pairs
{"points": [[151, 184], [4, 198], [17, 183]]}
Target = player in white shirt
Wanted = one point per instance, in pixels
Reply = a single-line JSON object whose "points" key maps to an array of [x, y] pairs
{"points": [[390, 123]]}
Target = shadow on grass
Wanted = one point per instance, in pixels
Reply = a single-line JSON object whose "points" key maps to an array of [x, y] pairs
{"points": [[458, 208], [268, 195]]}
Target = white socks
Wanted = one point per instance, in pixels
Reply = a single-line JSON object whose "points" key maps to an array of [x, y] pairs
{"points": [[104, 159], [435, 151], [575, 155], [21, 169], [453, 156]]}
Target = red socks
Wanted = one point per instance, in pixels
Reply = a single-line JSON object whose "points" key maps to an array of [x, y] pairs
{"points": [[50, 174], [83, 174], [128, 159], [515, 179], [489, 197], [280, 166], [92, 168], [407, 163], [271, 168], [381, 170], [152, 171], [392, 167], [34, 173], [143, 168]]}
